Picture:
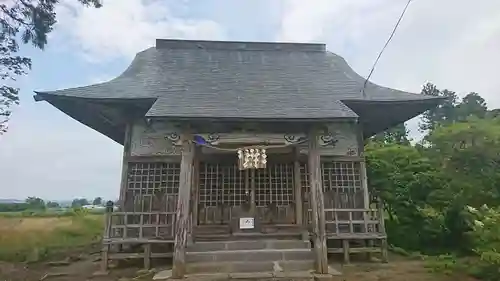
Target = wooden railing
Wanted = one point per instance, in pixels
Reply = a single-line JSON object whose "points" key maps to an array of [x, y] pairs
{"points": [[355, 222], [139, 226]]}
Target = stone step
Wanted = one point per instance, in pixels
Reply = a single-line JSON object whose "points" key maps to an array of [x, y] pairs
{"points": [[248, 245], [251, 255], [245, 267], [211, 229], [202, 237]]}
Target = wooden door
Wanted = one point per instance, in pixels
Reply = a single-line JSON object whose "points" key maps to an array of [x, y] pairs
{"points": [[224, 189], [274, 194]]}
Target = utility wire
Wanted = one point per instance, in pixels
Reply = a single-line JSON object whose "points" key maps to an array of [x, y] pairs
{"points": [[385, 46]]}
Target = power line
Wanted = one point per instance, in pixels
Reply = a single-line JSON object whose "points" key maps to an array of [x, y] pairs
{"points": [[385, 46]]}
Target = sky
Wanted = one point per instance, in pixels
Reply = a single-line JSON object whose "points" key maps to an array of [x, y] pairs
{"points": [[451, 43]]}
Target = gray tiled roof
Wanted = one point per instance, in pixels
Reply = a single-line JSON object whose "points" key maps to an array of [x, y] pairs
{"points": [[237, 79]]}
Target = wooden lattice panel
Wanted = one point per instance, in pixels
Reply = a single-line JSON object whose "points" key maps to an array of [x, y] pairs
{"points": [[150, 202], [221, 191], [274, 193], [221, 184], [342, 187], [342, 184], [152, 187], [274, 185]]}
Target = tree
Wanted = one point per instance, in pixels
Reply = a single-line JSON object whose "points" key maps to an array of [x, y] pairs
{"points": [[79, 202], [30, 21], [395, 135], [471, 105], [97, 201], [445, 113], [35, 203], [408, 185], [469, 153], [52, 204]]}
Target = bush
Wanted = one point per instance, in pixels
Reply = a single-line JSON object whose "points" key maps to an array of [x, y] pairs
{"points": [[485, 236]]}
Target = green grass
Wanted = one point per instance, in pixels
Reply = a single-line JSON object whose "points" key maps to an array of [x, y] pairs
{"points": [[36, 238]]}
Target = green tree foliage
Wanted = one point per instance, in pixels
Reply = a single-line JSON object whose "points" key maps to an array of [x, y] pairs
{"points": [[13, 207], [396, 135], [469, 153], [408, 184], [485, 235], [471, 105], [444, 113], [29, 21], [427, 190], [35, 203]]}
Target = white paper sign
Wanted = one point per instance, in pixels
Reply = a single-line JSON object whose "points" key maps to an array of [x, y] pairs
{"points": [[246, 223]]}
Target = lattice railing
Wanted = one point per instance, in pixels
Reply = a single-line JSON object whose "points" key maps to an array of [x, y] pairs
{"points": [[140, 226], [149, 205], [343, 199], [352, 221]]}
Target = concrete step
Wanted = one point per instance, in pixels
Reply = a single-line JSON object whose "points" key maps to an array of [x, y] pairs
{"points": [[248, 245], [251, 255], [246, 267]]}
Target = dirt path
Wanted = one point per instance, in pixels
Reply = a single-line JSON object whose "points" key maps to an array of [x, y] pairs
{"points": [[83, 270]]}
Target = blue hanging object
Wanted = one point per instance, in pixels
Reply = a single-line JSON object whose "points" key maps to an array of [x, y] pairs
{"points": [[200, 140]]}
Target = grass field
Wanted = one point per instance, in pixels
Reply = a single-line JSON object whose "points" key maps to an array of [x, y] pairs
{"points": [[37, 237]]}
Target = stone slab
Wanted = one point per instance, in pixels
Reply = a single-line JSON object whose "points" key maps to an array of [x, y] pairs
{"points": [[163, 275]]}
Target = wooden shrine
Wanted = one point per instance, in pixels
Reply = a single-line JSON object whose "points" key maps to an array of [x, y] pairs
{"points": [[230, 141]]}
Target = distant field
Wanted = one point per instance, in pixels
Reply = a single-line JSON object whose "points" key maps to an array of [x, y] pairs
{"points": [[48, 213], [37, 236]]}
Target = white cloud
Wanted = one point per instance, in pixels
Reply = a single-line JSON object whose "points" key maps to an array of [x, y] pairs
{"points": [[451, 43], [121, 28]]}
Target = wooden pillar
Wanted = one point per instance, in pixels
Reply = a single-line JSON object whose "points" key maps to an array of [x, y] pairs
{"points": [[182, 213], [127, 142], [196, 185], [298, 188], [253, 207], [383, 242], [362, 165], [317, 204], [106, 236]]}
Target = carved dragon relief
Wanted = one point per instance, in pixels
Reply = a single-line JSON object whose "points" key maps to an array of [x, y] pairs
{"points": [[215, 139], [155, 139], [339, 140]]}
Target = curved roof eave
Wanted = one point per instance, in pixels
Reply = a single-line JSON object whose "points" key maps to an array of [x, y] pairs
{"points": [[107, 116]]}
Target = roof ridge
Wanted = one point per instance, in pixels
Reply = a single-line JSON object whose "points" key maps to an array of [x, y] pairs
{"points": [[239, 45]]}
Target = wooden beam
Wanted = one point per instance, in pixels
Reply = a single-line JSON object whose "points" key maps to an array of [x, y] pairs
{"points": [[317, 204], [182, 214], [127, 142]]}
